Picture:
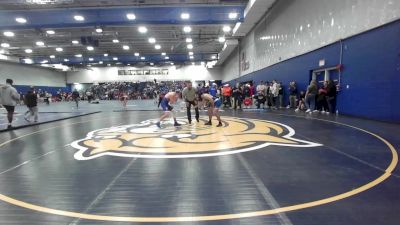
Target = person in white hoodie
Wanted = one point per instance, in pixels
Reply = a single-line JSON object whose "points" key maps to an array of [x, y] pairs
{"points": [[9, 98]]}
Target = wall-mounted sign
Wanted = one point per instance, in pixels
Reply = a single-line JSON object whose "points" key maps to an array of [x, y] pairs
{"points": [[143, 72], [322, 62]]}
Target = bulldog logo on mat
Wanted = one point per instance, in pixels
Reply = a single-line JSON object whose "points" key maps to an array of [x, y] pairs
{"points": [[145, 140]]}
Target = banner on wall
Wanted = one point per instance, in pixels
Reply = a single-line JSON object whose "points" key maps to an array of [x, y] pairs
{"points": [[244, 64], [143, 72]]}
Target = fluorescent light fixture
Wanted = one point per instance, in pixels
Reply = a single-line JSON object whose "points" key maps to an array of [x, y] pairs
{"points": [[166, 57], [78, 55], [44, 61], [115, 41], [193, 63], [157, 47], [189, 40], [91, 59], [89, 65], [233, 15], [28, 61], [190, 53], [99, 30], [125, 47], [185, 16], [115, 58], [190, 46], [20, 20], [213, 57], [226, 28], [40, 43], [8, 34], [50, 32], [187, 29], [90, 48], [163, 53], [137, 54], [128, 64], [151, 64], [131, 16], [172, 63], [79, 18], [142, 58], [105, 54], [142, 29], [100, 62], [75, 42], [59, 49], [52, 56], [66, 60], [152, 40], [5, 45], [191, 57], [28, 50], [221, 39]]}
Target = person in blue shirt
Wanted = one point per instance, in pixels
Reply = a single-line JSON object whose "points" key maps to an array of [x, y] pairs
{"points": [[213, 90]]}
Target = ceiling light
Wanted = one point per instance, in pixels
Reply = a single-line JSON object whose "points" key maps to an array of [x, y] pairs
{"points": [[128, 64], [166, 57], [125, 47], [50, 32], [185, 16], [66, 60], [213, 57], [157, 46], [75, 42], [20, 20], [99, 30], [233, 15], [191, 57], [40, 43], [79, 18], [59, 49], [44, 61], [91, 59], [142, 58], [115, 58], [190, 53], [137, 54], [28, 50], [28, 61], [105, 54], [100, 62], [108, 64], [187, 29], [202, 63], [115, 41], [90, 48], [142, 29], [172, 63], [52, 56], [78, 55], [190, 46], [151, 64], [221, 39], [189, 40], [89, 65], [5, 45], [163, 53], [131, 16], [152, 40], [8, 34], [226, 28]]}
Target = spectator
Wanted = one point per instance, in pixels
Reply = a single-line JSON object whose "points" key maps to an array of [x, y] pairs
{"points": [[301, 103], [322, 105], [75, 97], [237, 96], [227, 92], [311, 93], [9, 98], [31, 103], [331, 96], [280, 95], [275, 94], [292, 95]]}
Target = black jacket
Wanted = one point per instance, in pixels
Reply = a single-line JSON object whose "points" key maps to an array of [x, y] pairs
{"points": [[31, 99]]}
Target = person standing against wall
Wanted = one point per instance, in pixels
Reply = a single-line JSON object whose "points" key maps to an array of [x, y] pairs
{"points": [[331, 96], [9, 98], [75, 97], [31, 103], [292, 95], [275, 94], [311, 94]]}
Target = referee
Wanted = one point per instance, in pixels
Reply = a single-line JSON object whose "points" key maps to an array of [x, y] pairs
{"points": [[189, 96]]}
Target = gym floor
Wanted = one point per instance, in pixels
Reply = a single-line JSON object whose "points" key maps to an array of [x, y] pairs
{"points": [[262, 167]]}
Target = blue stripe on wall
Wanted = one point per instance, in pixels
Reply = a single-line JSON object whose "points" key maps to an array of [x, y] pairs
{"points": [[53, 90], [371, 71]]}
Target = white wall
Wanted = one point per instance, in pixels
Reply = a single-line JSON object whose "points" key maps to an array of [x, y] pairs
{"points": [[295, 27], [105, 74], [31, 75]]}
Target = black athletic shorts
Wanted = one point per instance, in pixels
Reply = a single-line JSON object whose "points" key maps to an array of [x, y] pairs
{"points": [[9, 108]]}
